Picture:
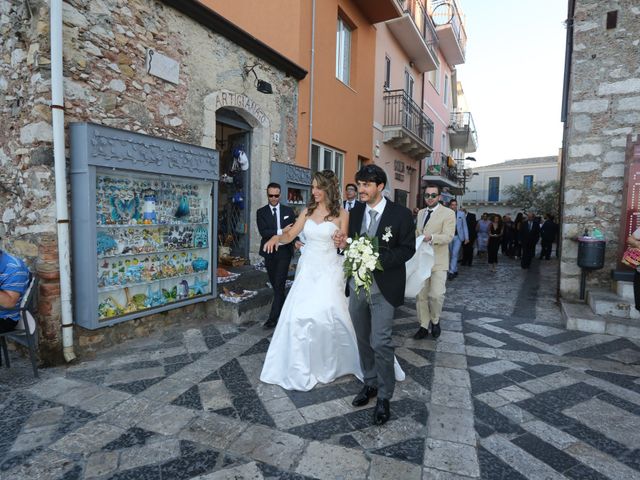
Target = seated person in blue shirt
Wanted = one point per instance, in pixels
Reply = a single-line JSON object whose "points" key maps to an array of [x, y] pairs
{"points": [[14, 281]]}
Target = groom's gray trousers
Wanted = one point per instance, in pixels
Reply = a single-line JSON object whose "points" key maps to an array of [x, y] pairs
{"points": [[373, 322]]}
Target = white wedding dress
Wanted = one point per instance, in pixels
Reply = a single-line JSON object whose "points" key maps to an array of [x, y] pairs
{"points": [[314, 340]]}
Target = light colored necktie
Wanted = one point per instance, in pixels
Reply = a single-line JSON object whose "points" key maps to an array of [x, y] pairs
{"points": [[371, 231]]}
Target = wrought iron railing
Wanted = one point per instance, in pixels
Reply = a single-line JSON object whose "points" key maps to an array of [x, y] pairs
{"points": [[440, 164], [423, 22], [464, 121], [401, 111], [450, 14]]}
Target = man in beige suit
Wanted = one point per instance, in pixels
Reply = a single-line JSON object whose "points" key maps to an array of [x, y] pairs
{"points": [[438, 224]]}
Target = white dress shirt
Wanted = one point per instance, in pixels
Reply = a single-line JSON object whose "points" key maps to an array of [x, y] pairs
{"points": [[432, 210], [277, 207], [378, 208]]}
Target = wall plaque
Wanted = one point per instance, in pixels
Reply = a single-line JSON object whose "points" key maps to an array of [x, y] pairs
{"points": [[163, 67]]}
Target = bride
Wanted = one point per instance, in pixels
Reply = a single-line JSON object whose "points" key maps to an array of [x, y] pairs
{"points": [[314, 340]]}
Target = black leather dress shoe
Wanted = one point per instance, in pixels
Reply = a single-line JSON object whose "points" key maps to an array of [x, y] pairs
{"points": [[381, 413], [421, 333], [366, 394], [270, 324], [435, 330]]}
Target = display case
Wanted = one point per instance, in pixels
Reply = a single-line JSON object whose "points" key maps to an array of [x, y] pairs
{"points": [[142, 224], [295, 182]]}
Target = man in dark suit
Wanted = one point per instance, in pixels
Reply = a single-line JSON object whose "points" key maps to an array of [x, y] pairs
{"points": [[372, 315], [351, 197], [548, 233], [529, 236], [467, 248], [273, 219]]}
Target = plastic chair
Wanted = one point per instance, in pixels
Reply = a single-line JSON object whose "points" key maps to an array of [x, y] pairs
{"points": [[25, 332]]}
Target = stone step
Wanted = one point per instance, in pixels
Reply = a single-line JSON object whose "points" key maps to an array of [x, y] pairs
{"points": [[624, 290], [249, 279], [579, 316], [253, 309], [603, 302]]}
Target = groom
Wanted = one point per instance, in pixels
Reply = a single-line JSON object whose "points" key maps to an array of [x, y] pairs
{"points": [[373, 317]]}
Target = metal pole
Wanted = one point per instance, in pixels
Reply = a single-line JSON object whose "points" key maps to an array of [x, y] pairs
{"points": [[583, 283]]}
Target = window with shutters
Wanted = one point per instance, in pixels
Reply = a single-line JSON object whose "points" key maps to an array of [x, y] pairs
{"points": [[343, 51], [494, 189]]}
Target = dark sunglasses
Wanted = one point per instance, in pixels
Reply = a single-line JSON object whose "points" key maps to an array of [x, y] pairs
{"points": [[276, 195], [431, 195]]}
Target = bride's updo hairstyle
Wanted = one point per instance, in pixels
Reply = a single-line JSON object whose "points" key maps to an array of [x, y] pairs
{"points": [[327, 181]]}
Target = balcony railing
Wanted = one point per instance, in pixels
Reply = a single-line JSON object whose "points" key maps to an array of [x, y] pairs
{"points": [[462, 122], [423, 22], [439, 164], [446, 12], [401, 111], [485, 196]]}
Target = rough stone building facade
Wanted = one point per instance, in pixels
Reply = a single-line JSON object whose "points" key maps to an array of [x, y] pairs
{"points": [[106, 82], [601, 111]]}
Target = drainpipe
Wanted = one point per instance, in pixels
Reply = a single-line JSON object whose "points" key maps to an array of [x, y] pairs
{"points": [[420, 203], [62, 209], [311, 74], [564, 118]]}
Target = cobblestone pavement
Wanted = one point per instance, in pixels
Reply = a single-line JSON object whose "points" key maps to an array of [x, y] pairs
{"points": [[504, 393]]}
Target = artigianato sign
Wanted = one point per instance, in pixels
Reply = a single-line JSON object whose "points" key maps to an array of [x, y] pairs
{"points": [[230, 99]]}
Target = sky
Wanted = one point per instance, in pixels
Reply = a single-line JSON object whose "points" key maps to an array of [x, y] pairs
{"points": [[513, 75]]}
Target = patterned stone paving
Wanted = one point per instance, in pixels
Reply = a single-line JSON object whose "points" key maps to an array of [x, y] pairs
{"points": [[505, 393]]}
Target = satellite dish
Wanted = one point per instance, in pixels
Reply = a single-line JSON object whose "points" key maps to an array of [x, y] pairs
{"points": [[443, 14]]}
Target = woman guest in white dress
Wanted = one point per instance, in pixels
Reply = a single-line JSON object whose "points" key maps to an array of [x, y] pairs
{"points": [[314, 340]]}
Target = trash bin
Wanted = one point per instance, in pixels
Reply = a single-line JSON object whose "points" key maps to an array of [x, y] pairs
{"points": [[591, 253], [590, 257]]}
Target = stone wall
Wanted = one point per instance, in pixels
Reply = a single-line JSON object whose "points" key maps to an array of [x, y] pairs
{"points": [[106, 82], [27, 192], [604, 108]]}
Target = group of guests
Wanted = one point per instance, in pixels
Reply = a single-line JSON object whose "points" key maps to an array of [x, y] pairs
{"points": [[494, 233]]}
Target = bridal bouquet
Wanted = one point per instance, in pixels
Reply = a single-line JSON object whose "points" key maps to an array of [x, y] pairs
{"points": [[361, 259]]}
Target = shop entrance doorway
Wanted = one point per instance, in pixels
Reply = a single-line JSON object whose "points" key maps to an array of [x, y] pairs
{"points": [[233, 138]]}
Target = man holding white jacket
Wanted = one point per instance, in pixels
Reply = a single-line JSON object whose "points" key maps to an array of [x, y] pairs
{"points": [[437, 223]]}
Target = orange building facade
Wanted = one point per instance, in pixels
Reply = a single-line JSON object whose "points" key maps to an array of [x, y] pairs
{"points": [[381, 85], [335, 41]]}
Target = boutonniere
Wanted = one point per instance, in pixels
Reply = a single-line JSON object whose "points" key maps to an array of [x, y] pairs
{"points": [[387, 234]]}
